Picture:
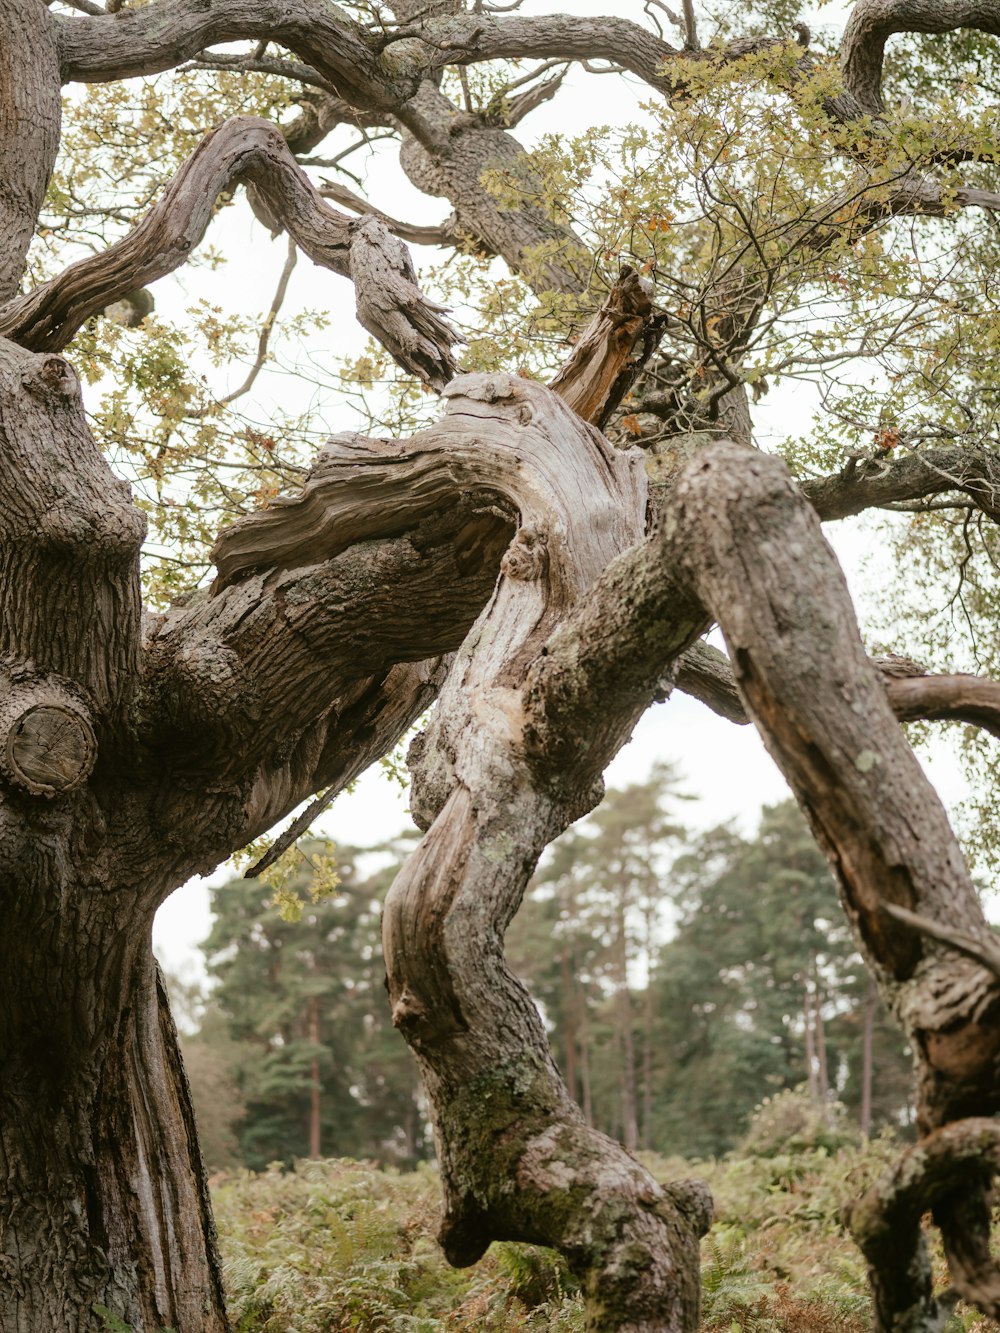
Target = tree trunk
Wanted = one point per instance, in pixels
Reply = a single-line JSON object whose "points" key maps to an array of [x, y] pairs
{"points": [[102, 1186], [823, 1080], [315, 1089], [569, 1022], [871, 1001], [810, 1040]]}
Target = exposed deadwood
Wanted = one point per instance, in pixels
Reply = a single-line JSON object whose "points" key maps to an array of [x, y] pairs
{"points": [[489, 812], [389, 303], [587, 378], [443, 235]]}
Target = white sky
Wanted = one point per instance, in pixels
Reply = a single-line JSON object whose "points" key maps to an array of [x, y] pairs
{"points": [[725, 768]]}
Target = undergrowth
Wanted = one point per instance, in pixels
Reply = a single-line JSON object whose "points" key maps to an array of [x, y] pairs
{"points": [[342, 1245]]}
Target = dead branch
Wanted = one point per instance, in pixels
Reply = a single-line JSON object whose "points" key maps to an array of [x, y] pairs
{"points": [[587, 379]]}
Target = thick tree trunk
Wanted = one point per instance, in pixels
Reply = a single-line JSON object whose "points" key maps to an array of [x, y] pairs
{"points": [[102, 1188]]}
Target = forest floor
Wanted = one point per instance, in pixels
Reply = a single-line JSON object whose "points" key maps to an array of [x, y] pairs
{"points": [[338, 1245]]}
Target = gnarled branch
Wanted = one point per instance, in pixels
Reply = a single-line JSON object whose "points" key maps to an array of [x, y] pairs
{"points": [[389, 304], [873, 22]]}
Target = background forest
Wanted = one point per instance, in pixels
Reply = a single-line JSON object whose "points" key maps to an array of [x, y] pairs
{"points": [[685, 979]]}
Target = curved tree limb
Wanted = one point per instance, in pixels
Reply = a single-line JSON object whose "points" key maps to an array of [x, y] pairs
{"points": [[873, 22], [442, 234], [152, 39], [476, 1035], [253, 151], [910, 475], [786, 615]]}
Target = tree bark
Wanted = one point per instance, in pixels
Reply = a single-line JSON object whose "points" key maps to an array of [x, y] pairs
{"points": [[29, 129], [517, 1159]]}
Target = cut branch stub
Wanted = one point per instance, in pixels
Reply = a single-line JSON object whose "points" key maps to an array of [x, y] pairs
{"points": [[47, 744]]}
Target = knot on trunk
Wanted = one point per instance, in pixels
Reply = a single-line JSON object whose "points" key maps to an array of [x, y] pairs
{"points": [[47, 743]]}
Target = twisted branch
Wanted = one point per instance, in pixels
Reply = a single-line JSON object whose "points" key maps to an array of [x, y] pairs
{"points": [[389, 303]]}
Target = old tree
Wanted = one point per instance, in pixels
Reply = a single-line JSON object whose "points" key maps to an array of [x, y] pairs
{"points": [[541, 554]]}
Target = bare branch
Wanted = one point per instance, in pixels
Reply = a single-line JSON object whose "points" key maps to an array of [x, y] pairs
{"points": [[442, 234], [265, 332], [253, 151], [873, 22], [285, 69], [690, 26], [983, 948], [706, 674]]}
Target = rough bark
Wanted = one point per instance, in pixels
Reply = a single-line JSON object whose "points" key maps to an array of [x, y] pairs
{"points": [[761, 564], [104, 1201], [29, 129]]}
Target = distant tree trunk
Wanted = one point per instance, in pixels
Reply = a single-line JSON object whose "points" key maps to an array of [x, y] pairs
{"points": [[569, 1017], [583, 1026], [648, 1014], [824, 1077], [807, 1011], [315, 1091], [626, 1040], [871, 1003]]}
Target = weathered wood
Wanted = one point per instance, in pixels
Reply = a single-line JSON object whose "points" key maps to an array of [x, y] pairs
{"points": [[512, 1144], [755, 552], [588, 377]]}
